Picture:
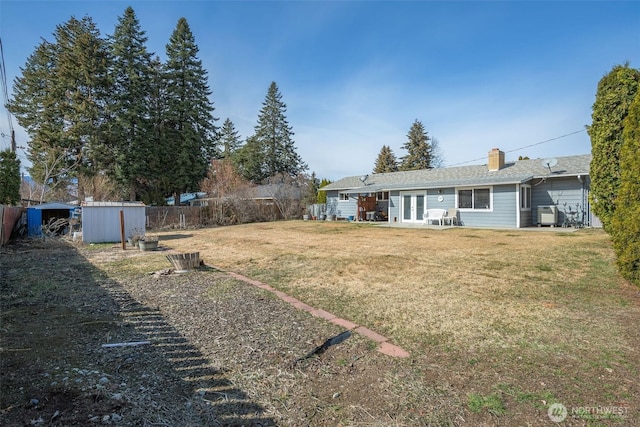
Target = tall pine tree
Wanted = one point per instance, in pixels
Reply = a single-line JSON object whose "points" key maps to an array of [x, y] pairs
{"points": [[157, 184], [34, 106], [61, 99], [131, 127], [418, 149], [386, 161], [230, 141], [271, 150], [9, 178], [616, 91], [189, 121]]}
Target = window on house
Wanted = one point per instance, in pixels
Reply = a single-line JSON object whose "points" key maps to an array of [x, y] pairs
{"points": [[382, 195], [344, 196], [525, 197], [475, 198]]}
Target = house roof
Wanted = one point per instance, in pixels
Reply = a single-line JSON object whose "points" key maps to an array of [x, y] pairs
{"points": [[272, 191], [517, 172]]}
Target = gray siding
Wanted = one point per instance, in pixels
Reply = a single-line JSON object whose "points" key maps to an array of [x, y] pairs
{"points": [[525, 219], [341, 208], [568, 194], [448, 198], [503, 214], [394, 206], [347, 208]]}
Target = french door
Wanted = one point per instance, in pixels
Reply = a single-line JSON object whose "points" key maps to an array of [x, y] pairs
{"points": [[413, 206]]}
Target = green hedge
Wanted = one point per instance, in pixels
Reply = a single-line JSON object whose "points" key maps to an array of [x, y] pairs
{"points": [[625, 222]]}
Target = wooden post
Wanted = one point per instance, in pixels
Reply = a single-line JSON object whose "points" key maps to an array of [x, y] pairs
{"points": [[124, 242]]}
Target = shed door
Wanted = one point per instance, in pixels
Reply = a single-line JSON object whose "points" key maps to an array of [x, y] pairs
{"points": [[34, 222], [413, 207]]}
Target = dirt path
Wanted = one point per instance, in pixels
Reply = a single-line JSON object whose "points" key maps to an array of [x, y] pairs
{"points": [[221, 352]]}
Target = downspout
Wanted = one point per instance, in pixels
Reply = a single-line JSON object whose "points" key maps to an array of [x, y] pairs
{"points": [[583, 201], [518, 225]]}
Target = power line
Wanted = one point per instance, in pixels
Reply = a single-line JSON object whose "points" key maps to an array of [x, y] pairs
{"points": [[5, 95], [521, 148]]}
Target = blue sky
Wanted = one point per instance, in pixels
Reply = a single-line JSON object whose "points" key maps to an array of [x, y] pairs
{"points": [[356, 74]]}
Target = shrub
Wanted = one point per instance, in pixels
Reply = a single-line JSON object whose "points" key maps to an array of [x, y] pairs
{"points": [[625, 223]]}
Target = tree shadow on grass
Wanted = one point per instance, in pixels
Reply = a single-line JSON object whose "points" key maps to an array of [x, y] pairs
{"points": [[56, 312]]}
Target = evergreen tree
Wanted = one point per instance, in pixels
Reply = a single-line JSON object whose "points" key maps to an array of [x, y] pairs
{"points": [[322, 195], [83, 64], [34, 107], [130, 128], [61, 99], [615, 93], [386, 161], [156, 184], [229, 139], [625, 222], [310, 185], [418, 149], [9, 178], [249, 160], [189, 115], [273, 140]]}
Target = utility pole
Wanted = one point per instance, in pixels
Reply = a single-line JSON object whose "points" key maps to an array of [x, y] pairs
{"points": [[13, 141]]}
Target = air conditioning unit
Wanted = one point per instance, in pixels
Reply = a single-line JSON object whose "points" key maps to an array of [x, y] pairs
{"points": [[547, 215]]}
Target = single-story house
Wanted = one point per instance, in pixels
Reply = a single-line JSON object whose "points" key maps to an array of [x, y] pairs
{"points": [[517, 194]]}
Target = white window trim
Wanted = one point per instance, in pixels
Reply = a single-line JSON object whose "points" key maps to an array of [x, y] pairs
{"points": [[479, 187], [382, 199], [340, 199], [529, 200]]}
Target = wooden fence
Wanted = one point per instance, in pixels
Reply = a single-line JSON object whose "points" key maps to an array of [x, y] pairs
{"points": [[9, 217], [223, 212]]}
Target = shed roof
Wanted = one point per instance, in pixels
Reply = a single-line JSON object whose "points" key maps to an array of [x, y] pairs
{"points": [[112, 204], [512, 173], [53, 206]]}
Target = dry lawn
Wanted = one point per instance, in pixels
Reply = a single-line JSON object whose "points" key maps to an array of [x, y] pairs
{"points": [[528, 317], [472, 288]]}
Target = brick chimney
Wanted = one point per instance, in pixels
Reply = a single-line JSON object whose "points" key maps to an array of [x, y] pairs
{"points": [[496, 159]]}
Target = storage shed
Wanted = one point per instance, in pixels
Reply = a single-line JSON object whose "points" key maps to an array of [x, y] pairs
{"points": [[101, 220], [39, 215]]}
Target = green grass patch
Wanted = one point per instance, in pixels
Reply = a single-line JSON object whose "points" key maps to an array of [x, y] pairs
{"points": [[136, 265], [99, 246], [538, 400], [492, 403]]}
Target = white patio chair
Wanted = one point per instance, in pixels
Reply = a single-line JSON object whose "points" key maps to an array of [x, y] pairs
{"points": [[452, 216]]}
